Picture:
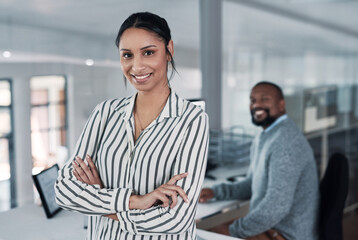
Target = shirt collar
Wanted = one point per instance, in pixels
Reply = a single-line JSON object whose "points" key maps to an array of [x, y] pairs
{"points": [[275, 123], [174, 107]]}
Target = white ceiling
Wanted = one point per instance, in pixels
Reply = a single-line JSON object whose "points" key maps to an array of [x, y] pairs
{"points": [[98, 17], [277, 24], [294, 26]]}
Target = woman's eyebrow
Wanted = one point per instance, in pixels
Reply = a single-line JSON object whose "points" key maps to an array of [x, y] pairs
{"points": [[149, 46]]}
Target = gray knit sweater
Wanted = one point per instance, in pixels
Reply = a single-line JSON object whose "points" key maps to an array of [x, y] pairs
{"points": [[282, 183]]}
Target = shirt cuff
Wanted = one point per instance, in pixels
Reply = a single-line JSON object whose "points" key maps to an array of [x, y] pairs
{"points": [[234, 230], [218, 192], [120, 199], [126, 223]]}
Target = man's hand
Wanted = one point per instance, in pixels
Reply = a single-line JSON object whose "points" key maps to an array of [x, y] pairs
{"points": [[206, 194]]}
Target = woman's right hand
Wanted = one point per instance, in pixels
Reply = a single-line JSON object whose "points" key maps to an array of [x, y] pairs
{"points": [[161, 194]]}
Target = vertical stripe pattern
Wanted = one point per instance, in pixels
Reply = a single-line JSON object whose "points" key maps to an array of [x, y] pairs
{"points": [[175, 142]]}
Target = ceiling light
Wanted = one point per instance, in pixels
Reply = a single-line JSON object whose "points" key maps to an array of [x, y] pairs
{"points": [[6, 54], [89, 62]]}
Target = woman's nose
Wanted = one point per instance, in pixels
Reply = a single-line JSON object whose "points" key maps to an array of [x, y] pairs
{"points": [[138, 64]]}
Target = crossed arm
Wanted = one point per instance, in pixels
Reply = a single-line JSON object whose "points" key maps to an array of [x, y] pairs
{"points": [[162, 195]]}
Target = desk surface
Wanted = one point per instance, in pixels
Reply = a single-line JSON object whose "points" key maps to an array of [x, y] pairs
{"points": [[222, 173], [205, 235], [210, 208], [30, 223]]}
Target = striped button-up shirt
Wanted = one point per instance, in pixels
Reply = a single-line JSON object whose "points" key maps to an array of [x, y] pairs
{"points": [[175, 142]]}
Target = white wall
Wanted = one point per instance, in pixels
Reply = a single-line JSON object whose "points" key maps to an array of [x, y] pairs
{"points": [[22, 39]]}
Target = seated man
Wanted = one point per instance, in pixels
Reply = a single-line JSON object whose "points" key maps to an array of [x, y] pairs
{"points": [[282, 179]]}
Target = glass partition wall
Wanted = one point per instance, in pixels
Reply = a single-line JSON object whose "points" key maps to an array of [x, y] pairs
{"points": [[48, 121], [7, 169]]}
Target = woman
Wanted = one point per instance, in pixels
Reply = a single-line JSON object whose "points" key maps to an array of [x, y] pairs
{"points": [[145, 155]]}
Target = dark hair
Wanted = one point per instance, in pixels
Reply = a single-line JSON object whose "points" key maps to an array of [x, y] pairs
{"points": [[278, 89], [152, 23]]}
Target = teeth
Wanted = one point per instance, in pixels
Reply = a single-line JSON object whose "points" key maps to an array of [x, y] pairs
{"points": [[259, 112], [141, 77]]}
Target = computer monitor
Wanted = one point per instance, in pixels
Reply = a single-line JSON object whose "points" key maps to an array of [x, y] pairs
{"points": [[44, 182]]}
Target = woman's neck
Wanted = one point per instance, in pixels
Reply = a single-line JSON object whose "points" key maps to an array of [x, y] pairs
{"points": [[149, 101], [147, 108]]}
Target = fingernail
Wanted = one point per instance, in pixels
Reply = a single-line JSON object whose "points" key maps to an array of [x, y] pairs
{"points": [[87, 156]]}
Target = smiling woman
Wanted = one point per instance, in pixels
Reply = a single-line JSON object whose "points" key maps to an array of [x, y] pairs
{"points": [[144, 59], [139, 164]]}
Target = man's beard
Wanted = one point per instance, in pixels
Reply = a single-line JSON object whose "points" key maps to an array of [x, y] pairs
{"points": [[265, 122]]}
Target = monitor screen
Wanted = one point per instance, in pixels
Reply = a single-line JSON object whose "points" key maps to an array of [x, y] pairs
{"points": [[44, 182]]}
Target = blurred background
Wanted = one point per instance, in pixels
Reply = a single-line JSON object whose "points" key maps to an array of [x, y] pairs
{"points": [[58, 60]]}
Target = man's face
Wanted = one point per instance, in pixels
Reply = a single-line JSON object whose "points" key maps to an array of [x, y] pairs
{"points": [[265, 105]]}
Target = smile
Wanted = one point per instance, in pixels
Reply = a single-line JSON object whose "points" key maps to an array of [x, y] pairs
{"points": [[140, 77], [259, 112]]}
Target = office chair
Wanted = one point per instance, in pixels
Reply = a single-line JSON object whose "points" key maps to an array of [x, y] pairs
{"points": [[333, 192]]}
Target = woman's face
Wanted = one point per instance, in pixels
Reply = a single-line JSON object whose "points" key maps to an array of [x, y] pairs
{"points": [[144, 59]]}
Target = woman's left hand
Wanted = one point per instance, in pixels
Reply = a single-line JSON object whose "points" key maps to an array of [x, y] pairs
{"points": [[86, 173]]}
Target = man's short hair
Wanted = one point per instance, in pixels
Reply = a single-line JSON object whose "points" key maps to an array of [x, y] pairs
{"points": [[278, 89]]}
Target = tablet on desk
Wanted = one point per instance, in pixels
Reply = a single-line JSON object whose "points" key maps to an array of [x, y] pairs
{"points": [[44, 182]]}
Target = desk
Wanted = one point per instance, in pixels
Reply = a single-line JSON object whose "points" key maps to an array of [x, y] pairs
{"points": [[205, 235], [211, 214], [30, 223], [214, 213]]}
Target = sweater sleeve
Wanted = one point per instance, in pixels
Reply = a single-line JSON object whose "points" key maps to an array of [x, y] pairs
{"points": [[238, 191], [229, 191], [191, 158], [74, 195], [285, 169]]}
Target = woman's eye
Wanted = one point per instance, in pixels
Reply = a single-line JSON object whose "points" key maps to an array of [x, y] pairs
{"points": [[147, 53], [126, 55]]}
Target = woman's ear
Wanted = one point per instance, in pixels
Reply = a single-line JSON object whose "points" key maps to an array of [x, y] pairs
{"points": [[170, 48]]}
